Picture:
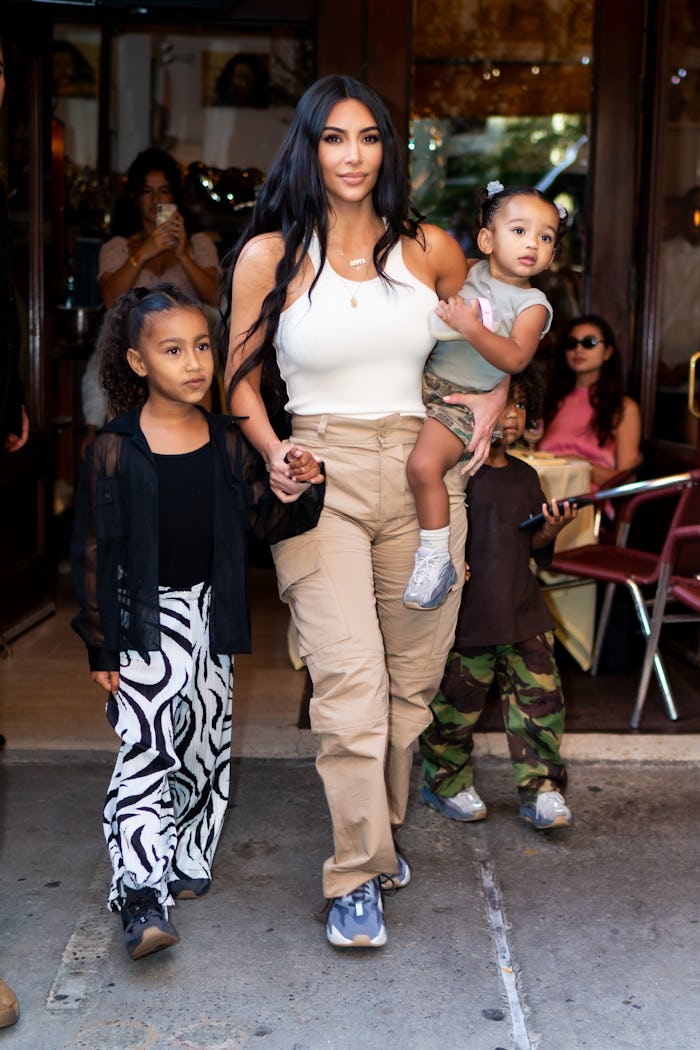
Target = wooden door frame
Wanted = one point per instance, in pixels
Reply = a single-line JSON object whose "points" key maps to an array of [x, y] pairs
{"points": [[611, 284]]}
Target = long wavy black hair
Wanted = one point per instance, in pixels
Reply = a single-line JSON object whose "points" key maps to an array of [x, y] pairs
{"points": [[292, 201], [126, 216], [606, 396], [121, 328]]}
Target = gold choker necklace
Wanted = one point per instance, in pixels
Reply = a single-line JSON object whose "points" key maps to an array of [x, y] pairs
{"points": [[354, 264]]}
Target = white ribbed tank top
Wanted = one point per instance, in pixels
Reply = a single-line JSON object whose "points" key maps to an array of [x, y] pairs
{"points": [[364, 361]]}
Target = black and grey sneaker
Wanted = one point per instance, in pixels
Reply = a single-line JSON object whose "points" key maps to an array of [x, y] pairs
{"points": [[146, 926], [188, 889]]}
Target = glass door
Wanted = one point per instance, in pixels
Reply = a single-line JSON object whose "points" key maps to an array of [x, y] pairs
{"points": [[677, 404]]}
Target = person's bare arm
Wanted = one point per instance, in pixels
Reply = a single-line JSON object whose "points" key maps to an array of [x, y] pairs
{"points": [[253, 278], [628, 437], [14, 442], [445, 261], [510, 353]]}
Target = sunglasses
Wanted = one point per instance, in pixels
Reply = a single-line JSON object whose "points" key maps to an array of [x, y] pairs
{"points": [[588, 342]]}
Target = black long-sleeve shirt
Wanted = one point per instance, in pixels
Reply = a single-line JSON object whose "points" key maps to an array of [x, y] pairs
{"points": [[114, 548]]}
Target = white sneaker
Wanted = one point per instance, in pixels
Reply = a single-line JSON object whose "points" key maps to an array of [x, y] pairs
{"points": [[433, 576], [465, 805], [548, 810]]}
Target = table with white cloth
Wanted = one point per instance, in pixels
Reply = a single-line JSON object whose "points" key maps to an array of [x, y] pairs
{"points": [[572, 608]]}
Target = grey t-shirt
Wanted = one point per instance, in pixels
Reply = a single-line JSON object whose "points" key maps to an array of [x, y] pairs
{"points": [[456, 359]]}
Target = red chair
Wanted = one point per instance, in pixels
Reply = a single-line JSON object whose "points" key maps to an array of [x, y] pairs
{"points": [[617, 564], [673, 589]]}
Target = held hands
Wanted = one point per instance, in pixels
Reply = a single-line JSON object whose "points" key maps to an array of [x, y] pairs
{"points": [[291, 470], [108, 680]]}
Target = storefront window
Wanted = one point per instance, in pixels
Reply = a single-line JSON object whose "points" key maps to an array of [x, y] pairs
{"points": [[502, 90]]}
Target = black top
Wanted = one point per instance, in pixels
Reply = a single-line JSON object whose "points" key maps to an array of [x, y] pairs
{"points": [[185, 517], [115, 543], [502, 602]]}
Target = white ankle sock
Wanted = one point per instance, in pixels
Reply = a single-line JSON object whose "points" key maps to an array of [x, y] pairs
{"points": [[435, 539]]}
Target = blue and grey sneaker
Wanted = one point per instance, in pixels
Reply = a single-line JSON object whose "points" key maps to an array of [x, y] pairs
{"points": [[357, 919], [547, 810], [465, 806], [399, 879], [433, 576]]}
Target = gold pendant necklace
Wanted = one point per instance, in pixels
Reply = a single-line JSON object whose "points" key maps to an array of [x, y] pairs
{"points": [[353, 295], [354, 265]]}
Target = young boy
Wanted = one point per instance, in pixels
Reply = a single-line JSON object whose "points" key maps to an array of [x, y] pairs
{"points": [[504, 631]]}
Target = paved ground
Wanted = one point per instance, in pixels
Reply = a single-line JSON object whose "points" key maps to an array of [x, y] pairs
{"points": [[506, 939]]}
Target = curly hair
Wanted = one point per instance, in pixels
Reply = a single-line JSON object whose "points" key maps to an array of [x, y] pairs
{"points": [[126, 217], [528, 386], [122, 327], [606, 395], [488, 206]]}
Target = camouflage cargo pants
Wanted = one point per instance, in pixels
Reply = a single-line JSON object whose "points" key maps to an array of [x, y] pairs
{"points": [[529, 688]]}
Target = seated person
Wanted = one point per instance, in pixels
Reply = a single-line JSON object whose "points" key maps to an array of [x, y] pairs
{"points": [[586, 413]]}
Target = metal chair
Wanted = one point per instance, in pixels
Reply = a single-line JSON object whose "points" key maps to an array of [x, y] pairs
{"points": [[618, 564], [678, 584], [621, 478]]}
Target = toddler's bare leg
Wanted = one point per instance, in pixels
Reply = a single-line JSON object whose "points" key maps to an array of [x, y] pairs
{"points": [[435, 452]]}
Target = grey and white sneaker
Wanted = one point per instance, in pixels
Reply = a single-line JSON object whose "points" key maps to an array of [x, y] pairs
{"points": [[465, 805], [433, 576], [548, 810]]}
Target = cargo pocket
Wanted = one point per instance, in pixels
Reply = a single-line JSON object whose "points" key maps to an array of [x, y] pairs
{"points": [[306, 586]]}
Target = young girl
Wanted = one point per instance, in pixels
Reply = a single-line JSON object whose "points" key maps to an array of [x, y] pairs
{"points": [[510, 641], [493, 327], [586, 412], [159, 570]]}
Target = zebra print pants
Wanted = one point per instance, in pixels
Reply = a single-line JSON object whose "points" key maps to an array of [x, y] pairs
{"points": [[168, 794]]}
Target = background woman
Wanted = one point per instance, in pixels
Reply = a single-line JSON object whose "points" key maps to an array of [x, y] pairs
{"points": [[586, 413], [145, 251]]}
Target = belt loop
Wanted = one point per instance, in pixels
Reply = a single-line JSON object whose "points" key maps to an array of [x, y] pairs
{"points": [[322, 424]]}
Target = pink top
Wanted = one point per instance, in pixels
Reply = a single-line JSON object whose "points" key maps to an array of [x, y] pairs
{"points": [[570, 432]]}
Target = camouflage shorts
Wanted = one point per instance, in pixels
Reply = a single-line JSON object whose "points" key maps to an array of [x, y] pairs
{"points": [[457, 418]]}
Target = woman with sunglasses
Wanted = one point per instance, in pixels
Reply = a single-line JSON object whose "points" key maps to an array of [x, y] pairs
{"points": [[586, 413]]}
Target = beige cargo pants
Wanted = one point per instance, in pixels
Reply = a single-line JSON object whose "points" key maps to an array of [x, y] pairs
{"points": [[375, 665]]}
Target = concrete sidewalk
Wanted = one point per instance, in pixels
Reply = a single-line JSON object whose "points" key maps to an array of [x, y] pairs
{"points": [[506, 939]]}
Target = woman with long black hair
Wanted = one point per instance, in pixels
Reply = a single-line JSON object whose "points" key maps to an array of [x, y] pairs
{"points": [[333, 282]]}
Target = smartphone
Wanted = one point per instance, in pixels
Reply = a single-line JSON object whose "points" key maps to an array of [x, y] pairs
{"points": [[537, 520], [164, 212]]}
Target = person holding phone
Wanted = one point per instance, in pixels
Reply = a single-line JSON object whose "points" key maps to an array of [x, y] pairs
{"points": [[152, 241], [152, 238]]}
